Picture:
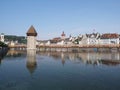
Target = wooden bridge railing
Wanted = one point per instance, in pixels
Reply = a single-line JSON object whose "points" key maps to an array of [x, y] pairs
{"points": [[18, 46]]}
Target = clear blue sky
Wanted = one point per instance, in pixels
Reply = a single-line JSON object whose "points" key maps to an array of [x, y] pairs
{"points": [[51, 17]]}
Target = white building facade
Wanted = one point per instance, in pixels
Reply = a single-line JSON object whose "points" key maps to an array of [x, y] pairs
{"points": [[109, 38]]}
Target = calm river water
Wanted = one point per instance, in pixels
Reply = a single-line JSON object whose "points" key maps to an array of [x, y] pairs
{"points": [[21, 70]]}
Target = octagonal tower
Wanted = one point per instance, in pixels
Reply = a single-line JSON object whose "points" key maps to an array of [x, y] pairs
{"points": [[31, 38]]}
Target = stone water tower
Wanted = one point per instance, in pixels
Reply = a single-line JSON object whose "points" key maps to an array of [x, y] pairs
{"points": [[31, 38]]}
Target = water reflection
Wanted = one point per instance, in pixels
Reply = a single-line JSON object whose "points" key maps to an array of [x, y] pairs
{"points": [[3, 53], [94, 58], [15, 53], [59, 71], [31, 63], [62, 58]]}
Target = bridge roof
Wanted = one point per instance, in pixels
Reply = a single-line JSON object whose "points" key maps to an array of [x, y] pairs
{"points": [[31, 31]]}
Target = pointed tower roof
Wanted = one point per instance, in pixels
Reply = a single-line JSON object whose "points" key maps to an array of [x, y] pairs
{"points": [[31, 31]]}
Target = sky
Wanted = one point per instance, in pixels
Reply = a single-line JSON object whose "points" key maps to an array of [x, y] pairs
{"points": [[51, 17]]}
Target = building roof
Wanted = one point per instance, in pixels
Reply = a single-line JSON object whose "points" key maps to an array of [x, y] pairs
{"points": [[31, 31], [109, 36], [55, 40], [43, 41], [92, 35]]}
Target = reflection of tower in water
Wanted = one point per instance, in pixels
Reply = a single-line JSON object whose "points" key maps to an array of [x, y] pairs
{"points": [[63, 58], [31, 61]]}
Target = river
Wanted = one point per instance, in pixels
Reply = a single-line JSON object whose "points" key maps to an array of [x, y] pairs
{"points": [[21, 70]]}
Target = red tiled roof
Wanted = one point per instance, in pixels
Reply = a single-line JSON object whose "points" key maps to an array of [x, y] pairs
{"points": [[109, 36], [55, 40], [31, 31]]}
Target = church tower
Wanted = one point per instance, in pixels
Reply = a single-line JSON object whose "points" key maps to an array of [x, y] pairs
{"points": [[31, 38], [63, 36], [2, 37]]}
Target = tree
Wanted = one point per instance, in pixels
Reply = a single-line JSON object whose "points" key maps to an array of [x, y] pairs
{"points": [[3, 44]]}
